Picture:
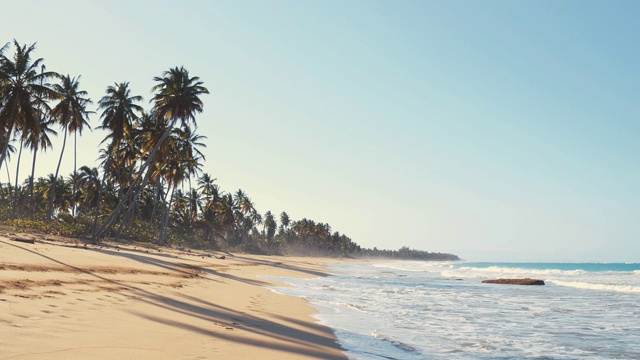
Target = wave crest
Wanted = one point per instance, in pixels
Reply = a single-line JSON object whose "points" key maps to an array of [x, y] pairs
{"points": [[601, 287]]}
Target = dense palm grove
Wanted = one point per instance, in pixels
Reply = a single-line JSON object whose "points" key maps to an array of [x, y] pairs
{"points": [[150, 185]]}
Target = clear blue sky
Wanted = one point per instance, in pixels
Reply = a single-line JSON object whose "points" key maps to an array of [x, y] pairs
{"points": [[496, 130]]}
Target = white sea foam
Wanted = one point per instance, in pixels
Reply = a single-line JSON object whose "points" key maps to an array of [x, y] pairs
{"points": [[602, 287], [440, 311], [519, 271]]}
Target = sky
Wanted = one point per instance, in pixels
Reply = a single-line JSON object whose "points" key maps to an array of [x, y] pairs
{"points": [[494, 130]]}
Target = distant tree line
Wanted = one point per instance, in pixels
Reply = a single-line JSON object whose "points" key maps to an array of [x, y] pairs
{"points": [[406, 253], [149, 185]]}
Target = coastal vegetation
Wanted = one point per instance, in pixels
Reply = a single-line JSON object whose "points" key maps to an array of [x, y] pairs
{"points": [[150, 185]]}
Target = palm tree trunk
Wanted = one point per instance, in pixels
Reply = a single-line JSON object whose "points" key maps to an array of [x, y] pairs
{"points": [[165, 208], [165, 217], [15, 196], [33, 170], [155, 203], [73, 196], [166, 221], [146, 167], [102, 181], [55, 178], [127, 219], [6, 146], [8, 178]]}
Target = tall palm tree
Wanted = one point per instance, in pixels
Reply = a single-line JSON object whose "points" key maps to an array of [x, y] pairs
{"points": [[72, 115], [245, 208], [173, 169], [180, 160], [119, 111], [177, 98], [22, 90], [39, 140], [42, 107]]}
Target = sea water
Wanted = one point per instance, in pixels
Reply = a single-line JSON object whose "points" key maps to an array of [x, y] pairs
{"points": [[442, 310]]}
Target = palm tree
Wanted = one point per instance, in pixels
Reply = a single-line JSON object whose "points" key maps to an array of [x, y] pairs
{"points": [[72, 115], [226, 210], [22, 90], [63, 199], [17, 187], [285, 221], [207, 187], [6, 143], [244, 202], [271, 226], [173, 168], [89, 182], [119, 111], [188, 146], [177, 98], [194, 201], [39, 140]]}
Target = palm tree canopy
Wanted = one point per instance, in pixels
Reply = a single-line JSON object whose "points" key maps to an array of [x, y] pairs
{"points": [[10, 148], [119, 111], [40, 139], [178, 96], [22, 90], [71, 112], [284, 219]]}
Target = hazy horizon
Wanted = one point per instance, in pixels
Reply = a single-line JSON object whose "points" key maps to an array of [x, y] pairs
{"points": [[497, 131]]}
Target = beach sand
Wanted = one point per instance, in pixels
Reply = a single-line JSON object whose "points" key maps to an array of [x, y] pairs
{"points": [[60, 299]]}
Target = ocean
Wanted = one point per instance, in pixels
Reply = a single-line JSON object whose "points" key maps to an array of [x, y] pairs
{"points": [[440, 310]]}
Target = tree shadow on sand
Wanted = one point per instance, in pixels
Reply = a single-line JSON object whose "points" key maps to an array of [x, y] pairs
{"points": [[288, 334]]}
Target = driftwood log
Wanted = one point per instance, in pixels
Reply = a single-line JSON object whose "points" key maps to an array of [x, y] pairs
{"points": [[28, 241], [526, 281]]}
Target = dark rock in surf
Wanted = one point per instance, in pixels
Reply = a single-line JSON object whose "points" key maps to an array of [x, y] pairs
{"points": [[526, 281]]}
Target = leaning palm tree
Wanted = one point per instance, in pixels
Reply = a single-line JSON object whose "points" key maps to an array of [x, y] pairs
{"points": [[177, 98], [72, 115], [22, 90]]}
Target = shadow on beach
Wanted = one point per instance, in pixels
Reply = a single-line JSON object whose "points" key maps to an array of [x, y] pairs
{"points": [[287, 334]]}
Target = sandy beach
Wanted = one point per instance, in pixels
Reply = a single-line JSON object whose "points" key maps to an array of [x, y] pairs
{"points": [[60, 299]]}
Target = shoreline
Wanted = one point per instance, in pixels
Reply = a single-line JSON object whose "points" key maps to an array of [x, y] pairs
{"points": [[65, 300]]}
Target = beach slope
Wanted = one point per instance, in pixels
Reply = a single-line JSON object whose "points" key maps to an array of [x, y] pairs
{"points": [[60, 299]]}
